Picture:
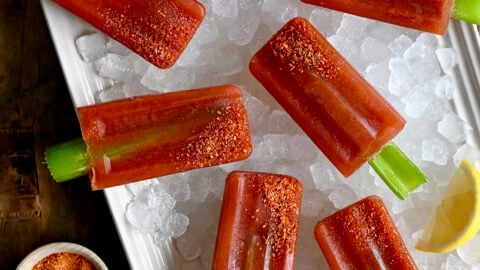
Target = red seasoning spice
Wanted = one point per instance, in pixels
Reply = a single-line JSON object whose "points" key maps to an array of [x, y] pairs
{"points": [[336, 107], [63, 261], [149, 136], [158, 31], [259, 222], [362, 236]]}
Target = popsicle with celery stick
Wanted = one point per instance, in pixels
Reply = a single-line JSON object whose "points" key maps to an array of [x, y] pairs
{"points": [[337, 108], [259, 222], [362, 236], [158, 31], [149, 136], [426, 15]]}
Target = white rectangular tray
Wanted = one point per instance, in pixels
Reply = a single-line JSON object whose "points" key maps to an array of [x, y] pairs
{"points": [[142, 253]]}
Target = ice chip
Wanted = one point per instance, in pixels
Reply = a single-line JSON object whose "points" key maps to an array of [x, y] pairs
{"points": [[189, 245], [469, 152], [116, 47], [401, 79], [242, 32], [416, 104], [353, 27], [447, 58], [142, 216], [112, 93], [342, 196], [312, 202], [225, 8], [435, 150], [325, 177], [325, 21], [92, 46], [452, 128], [207, 32], [378, 75], [374, 50], [446, 86], [174, 224], [154, 78], [469, 252], [400, 44], [114, 67]]}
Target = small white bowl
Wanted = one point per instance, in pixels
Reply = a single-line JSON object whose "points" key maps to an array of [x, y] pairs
{"points": [[38, 254]]}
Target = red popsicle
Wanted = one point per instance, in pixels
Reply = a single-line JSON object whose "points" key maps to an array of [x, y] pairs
{"points": [[362, 236], [338, 109], [427, 15], [259, 222], [149, 136], [158, 31]]}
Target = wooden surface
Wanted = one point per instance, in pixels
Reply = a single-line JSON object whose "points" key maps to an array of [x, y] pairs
{"points": [[35, 98]]}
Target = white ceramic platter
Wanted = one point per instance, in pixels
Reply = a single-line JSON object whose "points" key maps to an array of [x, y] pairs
{"points": [[82, 82]]}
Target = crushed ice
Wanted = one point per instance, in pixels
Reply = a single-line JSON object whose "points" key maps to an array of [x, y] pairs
{"points": [[408, 67]]}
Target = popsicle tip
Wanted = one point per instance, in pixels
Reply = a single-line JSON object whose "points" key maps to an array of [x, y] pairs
{"points": [[398, 172], [68, 160]]}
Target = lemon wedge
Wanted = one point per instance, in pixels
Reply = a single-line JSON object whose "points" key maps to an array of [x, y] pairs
{"points": [[456, 220]]}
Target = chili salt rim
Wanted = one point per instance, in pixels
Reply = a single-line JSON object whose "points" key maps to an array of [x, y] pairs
{"points": [[38, 254]]}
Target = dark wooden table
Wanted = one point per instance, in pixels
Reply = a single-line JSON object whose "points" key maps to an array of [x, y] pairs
{"points": [[36, 111]]}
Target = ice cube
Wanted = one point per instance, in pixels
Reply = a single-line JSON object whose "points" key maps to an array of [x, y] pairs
{"points": [[242, 32], [446, 86], [325, 21], [324, 176], [401, 79], [342, 195], [400, 44], [469, 252], [313, 201], [116, 47], [114, 67], [469, 152], [189, 245], [416, 104], [447, 58], [92, 46], [154, 78], [111, 93], [142, 217], [374, 50], [452, 128], [225, 8], [435, 150], [353, 27]]}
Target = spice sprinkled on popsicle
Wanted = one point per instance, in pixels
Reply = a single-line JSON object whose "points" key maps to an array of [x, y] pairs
{"points": [[149, 136], [336, 107], [158, 31], [259, 222]]}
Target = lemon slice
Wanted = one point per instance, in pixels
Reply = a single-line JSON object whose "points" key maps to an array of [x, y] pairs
{"points": [[457, 219]]}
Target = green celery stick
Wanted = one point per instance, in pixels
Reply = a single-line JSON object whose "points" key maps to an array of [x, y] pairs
{"points": [[67, 160], [397, 171], [467, 10]]}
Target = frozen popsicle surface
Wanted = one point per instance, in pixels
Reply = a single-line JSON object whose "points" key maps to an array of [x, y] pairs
{"points": [[158, 31], [335, 106], [148, 136], [426, 15], [259, 222], [362, 236]]}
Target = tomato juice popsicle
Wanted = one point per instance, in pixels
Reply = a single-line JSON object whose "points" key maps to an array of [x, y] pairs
{"points": [[336, 107], [156, 30], [425, 15], [149, 136], [362, 236], [259, 222]]}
